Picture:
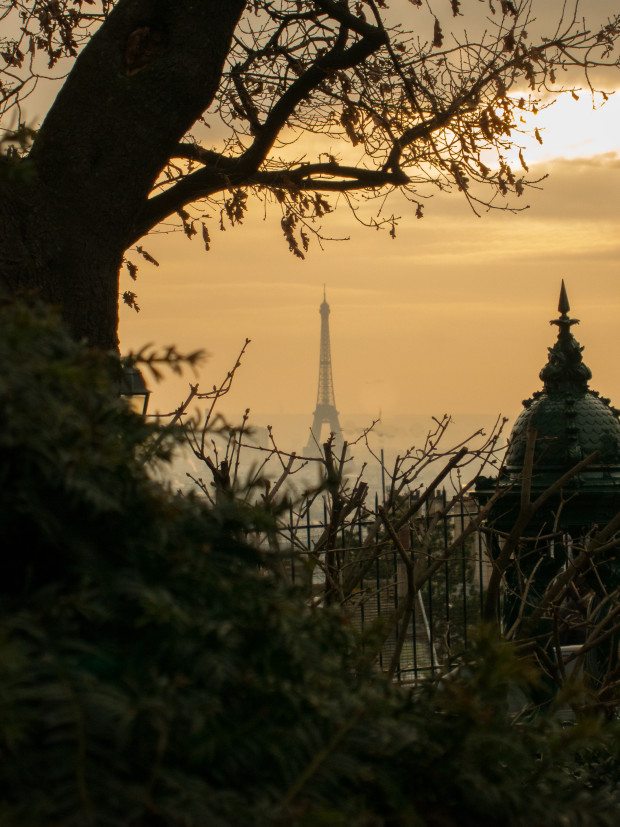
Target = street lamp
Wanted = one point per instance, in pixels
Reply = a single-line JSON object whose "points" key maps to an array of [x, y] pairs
{"points": [[134, 389]]}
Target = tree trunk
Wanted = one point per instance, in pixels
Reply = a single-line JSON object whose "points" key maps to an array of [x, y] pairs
{"points": [[145, 77]]}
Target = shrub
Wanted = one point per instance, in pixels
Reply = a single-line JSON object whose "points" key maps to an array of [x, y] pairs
{"points": [[154, 669]]}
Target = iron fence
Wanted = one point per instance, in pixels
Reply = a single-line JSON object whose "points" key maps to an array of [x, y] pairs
{"points": [[445, 608]]}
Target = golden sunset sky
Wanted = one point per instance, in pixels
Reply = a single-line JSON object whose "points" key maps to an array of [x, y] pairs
{"points": [[450, 316]]}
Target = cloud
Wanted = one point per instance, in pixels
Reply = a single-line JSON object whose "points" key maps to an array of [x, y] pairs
{"points": [[605, 160]]}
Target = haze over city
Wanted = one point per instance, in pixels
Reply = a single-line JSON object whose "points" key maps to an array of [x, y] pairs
{"points": [[449, 316]]}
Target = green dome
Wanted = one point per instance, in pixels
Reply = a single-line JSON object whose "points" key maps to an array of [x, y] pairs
{"points": [[570, 428], [571, 420]]}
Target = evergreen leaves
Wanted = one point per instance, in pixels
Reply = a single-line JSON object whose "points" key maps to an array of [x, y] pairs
{"points": [[155, 671]]}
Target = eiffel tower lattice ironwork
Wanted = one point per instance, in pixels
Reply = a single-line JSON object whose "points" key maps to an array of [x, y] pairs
{"points": [[325, 411]]}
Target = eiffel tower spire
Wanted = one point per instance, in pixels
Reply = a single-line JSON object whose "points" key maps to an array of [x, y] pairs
{"points": [[325, 411]]}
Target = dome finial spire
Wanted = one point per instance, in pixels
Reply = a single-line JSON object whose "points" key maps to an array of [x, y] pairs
{"points": [[564, 322], [563, 304], [565, 371]]}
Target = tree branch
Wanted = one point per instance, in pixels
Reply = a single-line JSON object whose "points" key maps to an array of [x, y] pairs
{"points": [[224, 173], [241, 170]]}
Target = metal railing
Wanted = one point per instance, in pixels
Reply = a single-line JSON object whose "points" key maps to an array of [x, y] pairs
{"points": [[447, 605]]}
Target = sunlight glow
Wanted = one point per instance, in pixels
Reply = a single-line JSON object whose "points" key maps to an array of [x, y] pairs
{"points": [[574, 128]]}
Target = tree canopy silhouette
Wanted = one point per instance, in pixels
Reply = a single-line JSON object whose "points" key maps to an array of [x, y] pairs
{"points": [[303, 99]]}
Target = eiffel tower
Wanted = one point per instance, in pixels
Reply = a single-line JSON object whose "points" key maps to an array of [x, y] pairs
{"points": [[325, 411]]}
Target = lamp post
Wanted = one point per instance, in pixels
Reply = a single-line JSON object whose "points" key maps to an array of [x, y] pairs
{"points": [[134, 389]]}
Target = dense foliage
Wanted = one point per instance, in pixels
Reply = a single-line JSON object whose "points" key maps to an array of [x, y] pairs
{"points": [[154, 670]]}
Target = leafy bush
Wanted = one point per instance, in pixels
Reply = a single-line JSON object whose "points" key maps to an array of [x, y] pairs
{"points": [[155, 671]]}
